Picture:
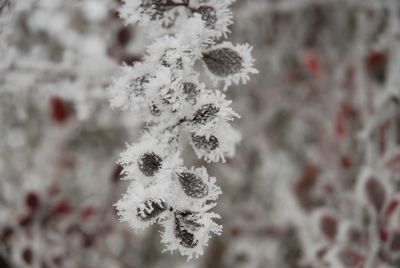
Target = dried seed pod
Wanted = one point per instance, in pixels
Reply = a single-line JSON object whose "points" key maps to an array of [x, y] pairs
{"points": [[205, 114], [193, 185], [150, 209], [150, 164], [223, 62], [206, 144]]}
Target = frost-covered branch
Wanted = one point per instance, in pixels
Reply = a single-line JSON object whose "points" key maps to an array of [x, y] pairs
{"points": [[165, 91]]}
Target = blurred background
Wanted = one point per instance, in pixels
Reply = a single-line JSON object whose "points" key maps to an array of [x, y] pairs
{"points": [[315, 181]]}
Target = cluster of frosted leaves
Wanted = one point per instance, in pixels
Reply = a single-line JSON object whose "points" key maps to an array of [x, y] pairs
{"points": [[163, 191], [164, 90], [171, 14], [165, 80]]}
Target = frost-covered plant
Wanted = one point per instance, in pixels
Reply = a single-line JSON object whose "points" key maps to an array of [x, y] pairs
{"points": [[164, 90]]}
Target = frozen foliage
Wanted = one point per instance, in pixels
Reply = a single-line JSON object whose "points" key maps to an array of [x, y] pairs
{"points": [[314, 184], [165, 91]]}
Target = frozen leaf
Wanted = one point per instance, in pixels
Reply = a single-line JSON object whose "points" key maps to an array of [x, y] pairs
{"points": [[193, 185], [150, 164], [351, 258], [216, 144], [207, 144], [329, 226], [211, 111], [186, 238], [151, 209], [223, 62], [187, 219], [205, 114], [375, 193], [185, 225], [228, 63], [144, 11]]}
